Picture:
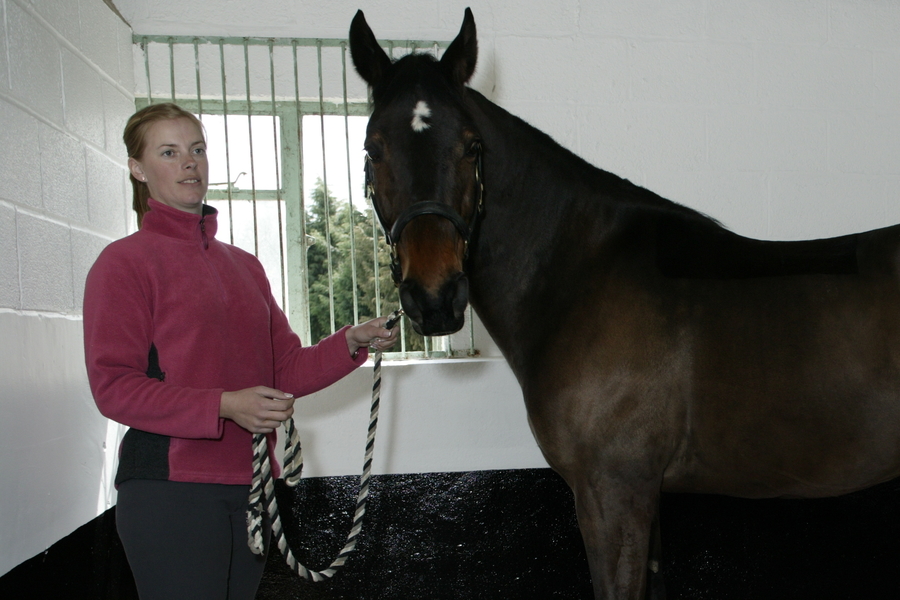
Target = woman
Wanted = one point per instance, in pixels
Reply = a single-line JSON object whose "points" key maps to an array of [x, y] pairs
{"points": [[185, 344]]}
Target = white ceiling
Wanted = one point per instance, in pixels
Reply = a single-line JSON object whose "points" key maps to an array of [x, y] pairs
{"points": [[292, 18]]}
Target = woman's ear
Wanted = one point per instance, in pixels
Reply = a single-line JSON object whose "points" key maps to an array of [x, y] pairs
{"points": [[136, 170]]}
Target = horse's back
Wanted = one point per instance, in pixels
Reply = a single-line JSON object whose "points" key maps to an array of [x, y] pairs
{"points": [[701, 249]]}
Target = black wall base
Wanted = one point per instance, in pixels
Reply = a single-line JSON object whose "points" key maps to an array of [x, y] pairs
{"points": [[88, 564], [509, 535]]}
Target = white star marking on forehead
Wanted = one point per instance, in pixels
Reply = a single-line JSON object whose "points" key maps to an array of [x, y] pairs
{"points": [[420, 113]]}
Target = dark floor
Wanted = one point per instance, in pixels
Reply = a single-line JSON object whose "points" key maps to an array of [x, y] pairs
{"points": [[512, 535]]}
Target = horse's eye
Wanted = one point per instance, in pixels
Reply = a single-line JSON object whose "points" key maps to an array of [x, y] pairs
{"points": [[473, 149], [374, 153]]}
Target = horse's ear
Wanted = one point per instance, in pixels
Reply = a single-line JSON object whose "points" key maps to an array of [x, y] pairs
{"points": [[370, 60], [460, 57]]}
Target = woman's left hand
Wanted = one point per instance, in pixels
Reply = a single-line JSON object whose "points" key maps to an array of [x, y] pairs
{"points": [[371, 334]]}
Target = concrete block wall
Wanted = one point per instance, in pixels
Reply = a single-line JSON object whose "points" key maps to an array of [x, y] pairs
{"points": [[66, 89]]}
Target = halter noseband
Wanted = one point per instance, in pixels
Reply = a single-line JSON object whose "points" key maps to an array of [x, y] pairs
{"points": [[438, 209]]}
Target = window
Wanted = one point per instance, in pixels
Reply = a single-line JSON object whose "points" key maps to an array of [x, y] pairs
{"points": [[285, 132]]}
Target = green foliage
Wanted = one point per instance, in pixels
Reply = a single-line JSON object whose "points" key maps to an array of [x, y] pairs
{"points": [[347, 253]]}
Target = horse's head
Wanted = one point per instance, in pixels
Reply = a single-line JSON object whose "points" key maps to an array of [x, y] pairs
{"points": [[423, 170]]}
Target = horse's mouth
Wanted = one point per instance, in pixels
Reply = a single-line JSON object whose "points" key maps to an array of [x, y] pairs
{"points": [[436, 314]]}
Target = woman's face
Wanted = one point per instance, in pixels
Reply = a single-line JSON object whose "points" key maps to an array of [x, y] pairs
{"points": [[174, 164]]}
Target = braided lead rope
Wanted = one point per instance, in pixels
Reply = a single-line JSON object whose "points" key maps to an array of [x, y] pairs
{"points": [[262, 488]]}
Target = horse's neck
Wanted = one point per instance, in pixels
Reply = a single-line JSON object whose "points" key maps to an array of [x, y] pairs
{"points": [[533, 190]]}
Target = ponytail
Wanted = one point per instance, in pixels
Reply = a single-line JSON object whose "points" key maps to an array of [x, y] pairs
{"points": [[141, 193]]}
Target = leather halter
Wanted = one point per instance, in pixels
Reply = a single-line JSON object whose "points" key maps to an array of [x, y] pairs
{"points": [[419, 209]]}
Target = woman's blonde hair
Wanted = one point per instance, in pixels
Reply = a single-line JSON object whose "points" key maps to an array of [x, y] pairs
{"points": [[135, 136]]}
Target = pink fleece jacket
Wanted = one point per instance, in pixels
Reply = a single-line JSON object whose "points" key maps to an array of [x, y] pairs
{"points": [[206, 309]]}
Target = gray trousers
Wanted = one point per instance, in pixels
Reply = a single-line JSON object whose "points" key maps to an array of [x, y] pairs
{"points": [[188, 540]]}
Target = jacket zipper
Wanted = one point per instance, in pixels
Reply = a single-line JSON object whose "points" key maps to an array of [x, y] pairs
{"points": [[209, 264]]}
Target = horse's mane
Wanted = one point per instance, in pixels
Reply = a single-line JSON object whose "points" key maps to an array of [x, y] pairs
{"points": [[600, 182], [689, 243]]}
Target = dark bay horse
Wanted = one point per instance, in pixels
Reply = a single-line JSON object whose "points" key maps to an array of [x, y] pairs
{"points": [[657, 351]]}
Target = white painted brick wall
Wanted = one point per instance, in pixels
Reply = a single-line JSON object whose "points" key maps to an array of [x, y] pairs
{"points": [[63, 177], [66, 84], [34, 63], [9, 265], [83, 95], [21, 181]]}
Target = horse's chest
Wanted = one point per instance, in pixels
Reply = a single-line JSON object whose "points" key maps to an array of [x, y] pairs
{"points": [[605, 408]]}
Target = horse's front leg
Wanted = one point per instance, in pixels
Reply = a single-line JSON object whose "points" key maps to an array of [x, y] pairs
{"points": [[615, 518]]}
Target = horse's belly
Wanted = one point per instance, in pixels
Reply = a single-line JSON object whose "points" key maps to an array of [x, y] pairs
{"points": [[813, 447]]}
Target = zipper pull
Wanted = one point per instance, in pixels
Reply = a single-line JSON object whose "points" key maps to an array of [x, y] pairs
{"points": [[203, 234]]}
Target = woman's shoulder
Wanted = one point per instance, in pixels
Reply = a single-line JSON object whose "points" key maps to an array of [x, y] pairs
{"points": [[246, 261], [133, 253], [126, 247], [241, 255]]}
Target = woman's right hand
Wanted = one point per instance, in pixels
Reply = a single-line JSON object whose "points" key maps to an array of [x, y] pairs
{"points": [[258, 409]]}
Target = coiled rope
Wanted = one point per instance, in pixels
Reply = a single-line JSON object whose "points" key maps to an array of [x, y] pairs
{"points": [[262, 488]]}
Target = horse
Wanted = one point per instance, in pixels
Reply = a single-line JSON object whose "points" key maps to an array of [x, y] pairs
{"points": [[657, 351]]}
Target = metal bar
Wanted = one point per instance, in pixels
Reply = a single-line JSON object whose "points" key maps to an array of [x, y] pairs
{"points": [[263, 41], [146, 48], [325, 194], [351, 211], [301, 242], [403, 351], [471, 331], [245, 195], [197, 72], [252, 166], [277, 177], [213, 106], [172, 67], [227, 145], [376, 268]]}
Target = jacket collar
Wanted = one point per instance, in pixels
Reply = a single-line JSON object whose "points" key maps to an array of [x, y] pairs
{"points": [[174, 223]]}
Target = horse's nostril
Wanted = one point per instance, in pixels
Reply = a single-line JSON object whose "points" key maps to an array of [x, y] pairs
{"points": [[436, 314]]}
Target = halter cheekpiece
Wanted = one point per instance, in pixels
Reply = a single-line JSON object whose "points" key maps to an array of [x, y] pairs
{"points": [[428, 207]]}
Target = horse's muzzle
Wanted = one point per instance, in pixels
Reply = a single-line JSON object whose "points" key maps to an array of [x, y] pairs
{"points": [[436, 314]]}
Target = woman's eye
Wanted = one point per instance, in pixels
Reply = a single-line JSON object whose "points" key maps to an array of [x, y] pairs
{"points": [[199, 150]]}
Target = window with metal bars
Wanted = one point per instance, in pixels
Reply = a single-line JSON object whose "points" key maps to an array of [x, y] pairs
{"points": [[285, 128]]}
